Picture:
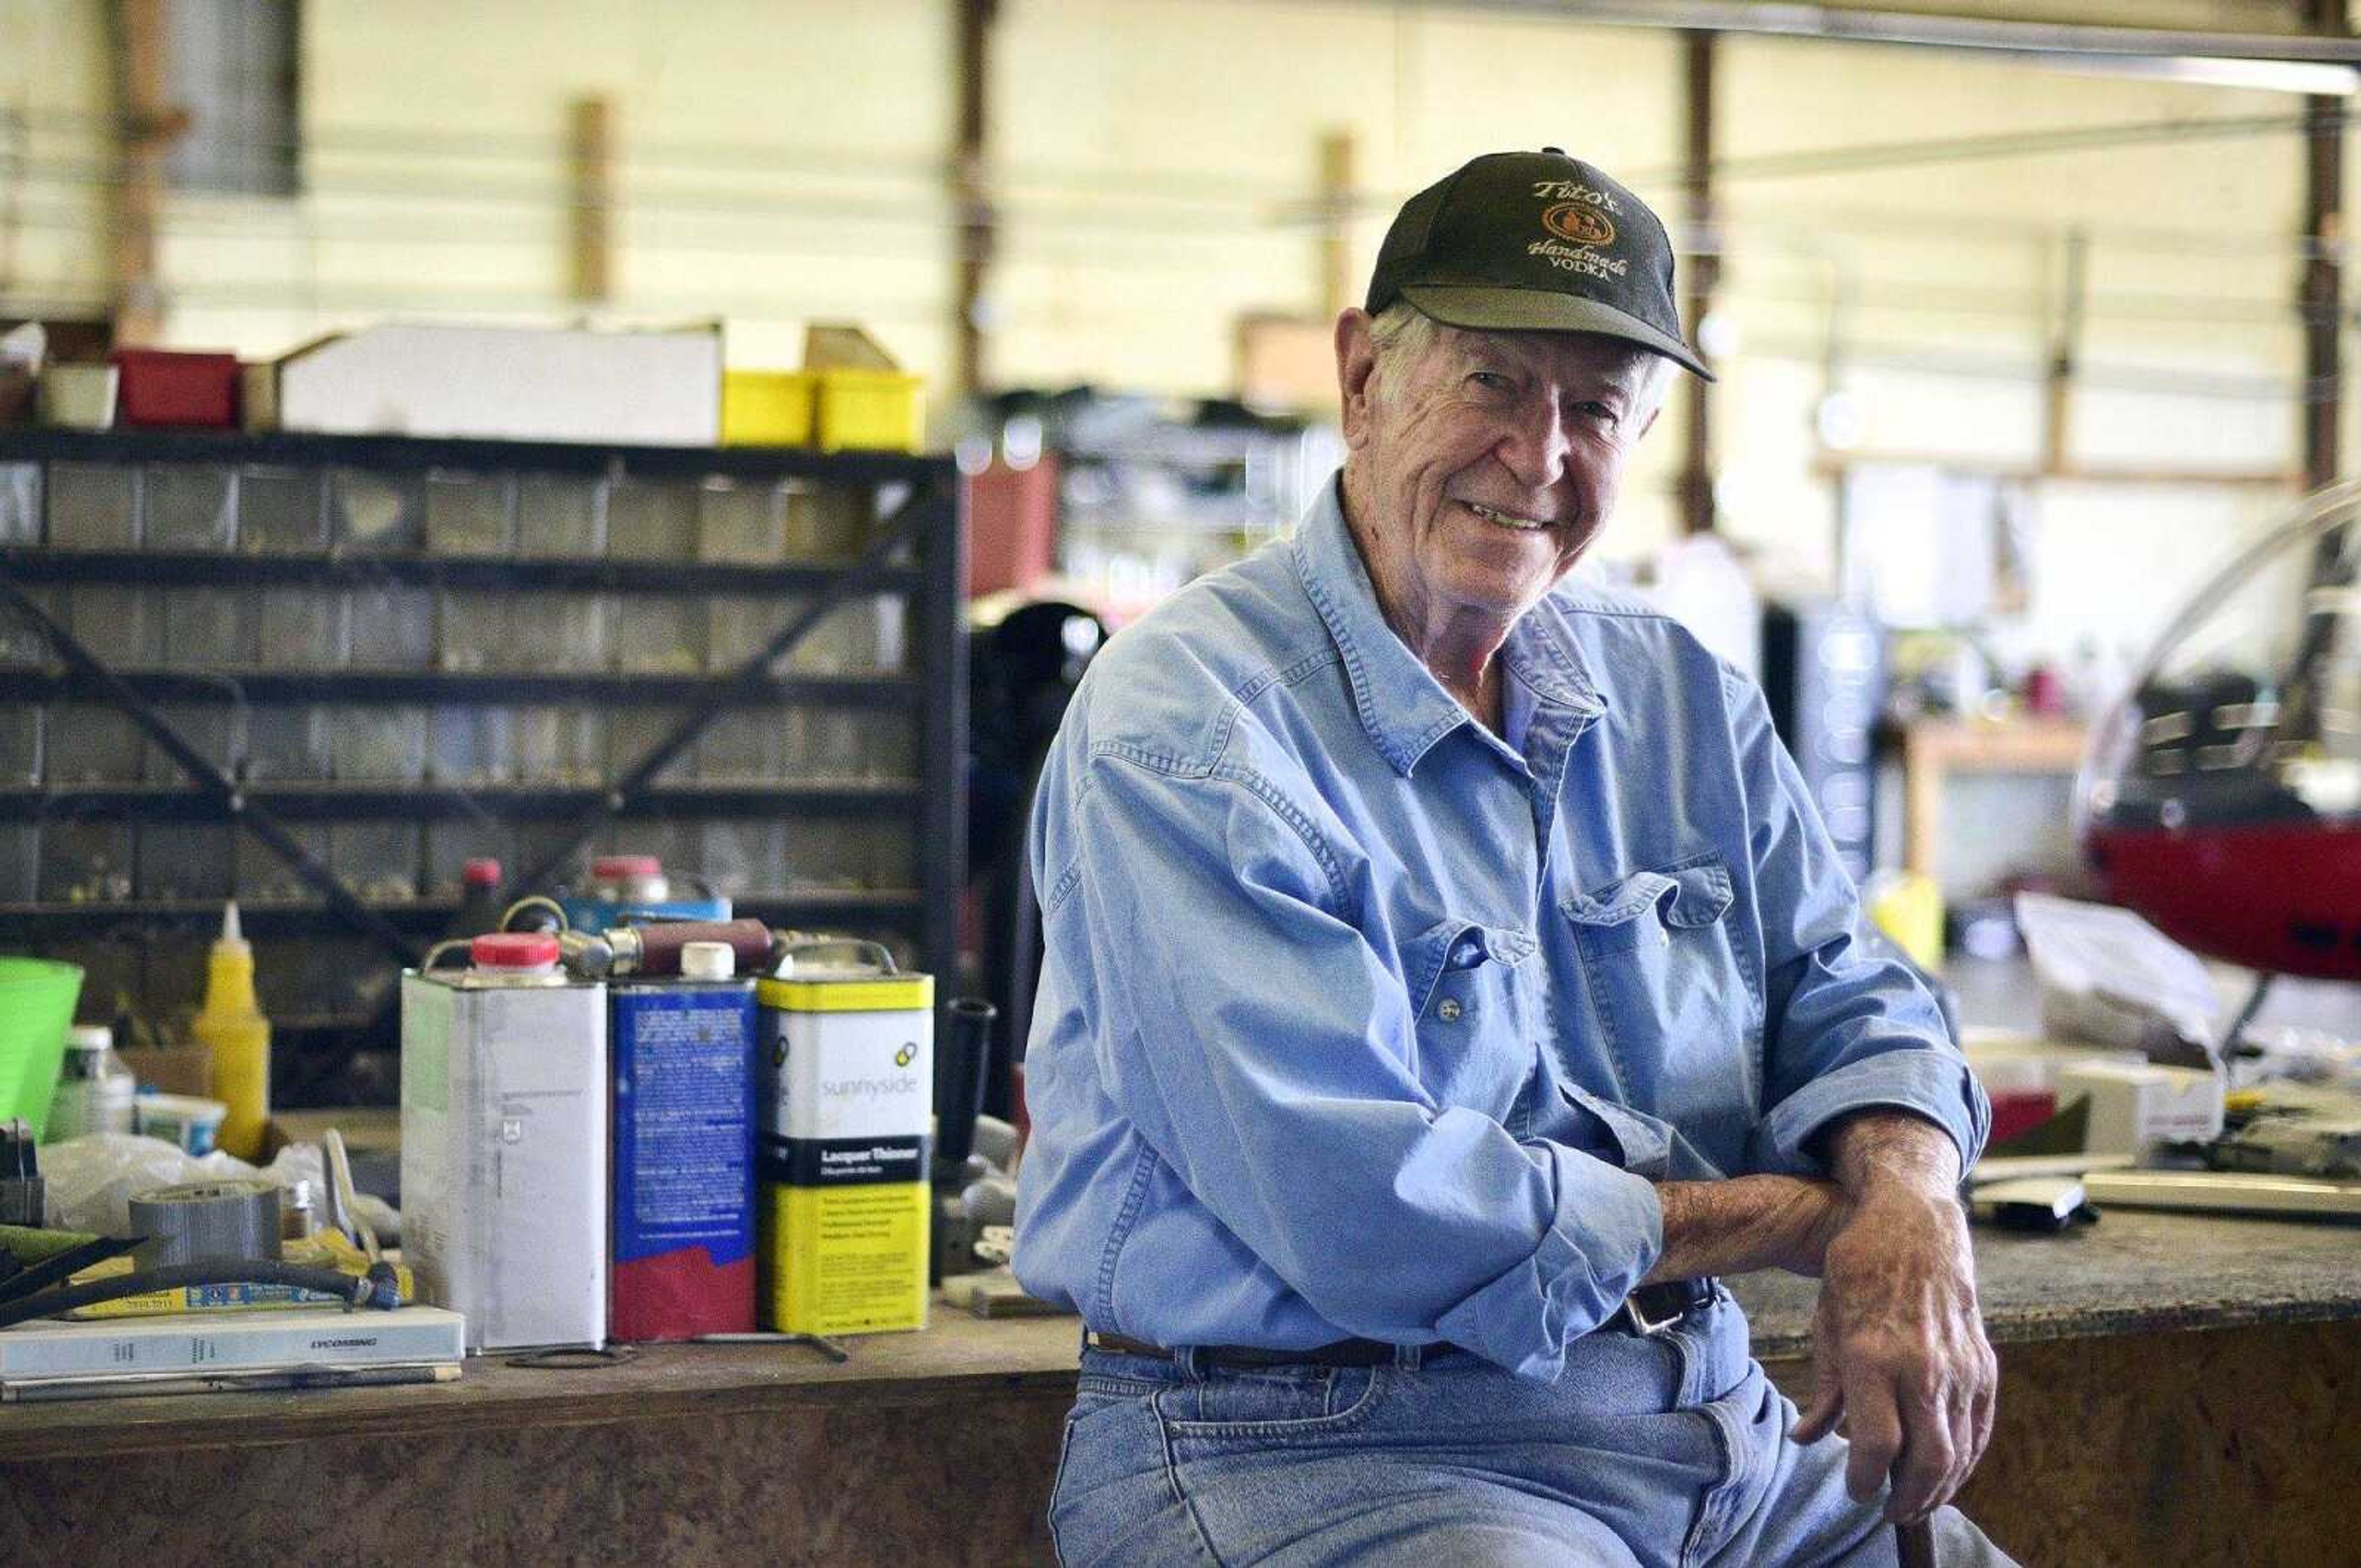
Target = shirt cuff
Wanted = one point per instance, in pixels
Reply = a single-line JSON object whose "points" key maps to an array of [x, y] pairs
{"points": [[1935, 1084], [1609, 1230]]}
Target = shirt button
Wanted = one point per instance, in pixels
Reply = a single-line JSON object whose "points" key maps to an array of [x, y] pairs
{"points": [[1448, 1012]]}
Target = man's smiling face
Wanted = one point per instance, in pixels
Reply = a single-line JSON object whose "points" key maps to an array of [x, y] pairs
{"points": [[1488, 461]]}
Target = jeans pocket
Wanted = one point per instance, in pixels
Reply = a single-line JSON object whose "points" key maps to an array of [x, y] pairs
{"points": [[1276, 1404], [1058, 1487], [1110, 1468]]}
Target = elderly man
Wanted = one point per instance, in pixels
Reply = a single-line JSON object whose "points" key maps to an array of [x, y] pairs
{"points": [[1446, 979]]}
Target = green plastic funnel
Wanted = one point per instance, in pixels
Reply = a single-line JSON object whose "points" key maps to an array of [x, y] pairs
{"points": [[37, 1004]]}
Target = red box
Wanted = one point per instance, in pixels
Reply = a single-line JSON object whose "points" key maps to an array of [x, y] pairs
{"points": [[161, 387], [1012, 527]]}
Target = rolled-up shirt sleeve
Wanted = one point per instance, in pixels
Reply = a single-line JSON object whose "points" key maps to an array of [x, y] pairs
{"points": [[1263, 1049], [1844, 1029]]}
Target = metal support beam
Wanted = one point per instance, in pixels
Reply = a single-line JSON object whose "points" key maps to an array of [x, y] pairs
{"points": [[2317, 42], [1704, 272], [976, 222]]}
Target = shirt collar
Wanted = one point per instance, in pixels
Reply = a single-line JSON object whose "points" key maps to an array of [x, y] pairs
{"points": [[1402, 705]]}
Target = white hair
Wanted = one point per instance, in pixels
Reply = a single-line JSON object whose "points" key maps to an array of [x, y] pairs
{"points": [[1401, 334]]}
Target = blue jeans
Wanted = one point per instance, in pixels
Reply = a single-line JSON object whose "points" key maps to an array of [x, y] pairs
{"points": [[1671, 1449]]}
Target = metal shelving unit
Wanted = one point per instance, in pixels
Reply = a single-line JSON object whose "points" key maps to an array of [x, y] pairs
{"points": [[873, 541]]}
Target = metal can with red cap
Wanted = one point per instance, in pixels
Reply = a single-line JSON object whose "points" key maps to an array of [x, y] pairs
{"points": [[504, 1150], [631, 890]]}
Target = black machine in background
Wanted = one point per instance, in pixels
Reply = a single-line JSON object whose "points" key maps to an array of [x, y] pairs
{"points": [[1022, 673], [1824, 674]]}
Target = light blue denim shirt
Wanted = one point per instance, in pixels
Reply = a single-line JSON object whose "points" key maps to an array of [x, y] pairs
{"points": [[1357, 1020]]}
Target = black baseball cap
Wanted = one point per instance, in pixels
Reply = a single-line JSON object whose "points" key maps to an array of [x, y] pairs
{"points": [[1534, 242]]}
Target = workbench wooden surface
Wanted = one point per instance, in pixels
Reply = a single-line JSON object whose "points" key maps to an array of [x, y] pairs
{"points": [[2133, 1273], [2222, 1355]]}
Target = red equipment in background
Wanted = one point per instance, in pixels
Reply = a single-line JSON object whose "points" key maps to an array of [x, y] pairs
{"points": [[2221, 796]]}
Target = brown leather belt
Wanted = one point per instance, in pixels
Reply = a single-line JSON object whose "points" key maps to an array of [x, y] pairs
{"points": [[1650, 1309], [1343, 1352], [1653, 1309]]}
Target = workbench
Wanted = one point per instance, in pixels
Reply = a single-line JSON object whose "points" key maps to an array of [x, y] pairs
{"points": [[2175, 1390]]}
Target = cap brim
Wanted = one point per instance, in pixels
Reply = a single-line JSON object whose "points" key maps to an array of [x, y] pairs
{"points": [[1493, 309]]}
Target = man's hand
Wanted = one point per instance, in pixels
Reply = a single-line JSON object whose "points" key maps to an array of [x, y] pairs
{"points": [[1898, 1346]]}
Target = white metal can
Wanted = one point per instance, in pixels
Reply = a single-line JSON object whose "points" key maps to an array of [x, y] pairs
{"points": [[504, 1144]]}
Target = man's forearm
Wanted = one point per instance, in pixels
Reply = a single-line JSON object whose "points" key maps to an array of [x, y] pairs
{"points": [[1778, 1221], [1890, 1150], [1744, 1224]]}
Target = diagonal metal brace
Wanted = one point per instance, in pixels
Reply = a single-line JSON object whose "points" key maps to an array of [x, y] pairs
{"points": [[922, 509], [210, 780]]}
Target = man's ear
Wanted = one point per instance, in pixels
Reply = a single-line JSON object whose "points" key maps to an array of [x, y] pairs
{"points": [[1356, 362]]}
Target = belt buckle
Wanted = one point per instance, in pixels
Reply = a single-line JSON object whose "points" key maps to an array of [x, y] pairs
{"points": [[1646, 1326]]}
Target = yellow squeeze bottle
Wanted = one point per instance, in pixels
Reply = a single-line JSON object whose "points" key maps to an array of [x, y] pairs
{"points": [[233, 1030]]}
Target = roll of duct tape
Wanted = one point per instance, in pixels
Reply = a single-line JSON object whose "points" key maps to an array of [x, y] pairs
{"points": [[233, 1218]]}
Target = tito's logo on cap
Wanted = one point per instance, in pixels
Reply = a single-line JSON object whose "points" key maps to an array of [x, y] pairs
{"points": [[1579, 222]]}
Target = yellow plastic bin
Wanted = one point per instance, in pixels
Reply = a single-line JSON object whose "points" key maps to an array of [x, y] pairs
{"points": [[875, 410], [36, 1002], [766, 408]]}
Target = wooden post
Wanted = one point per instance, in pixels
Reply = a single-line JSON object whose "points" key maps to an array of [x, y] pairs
{"points": [[2324, 273], [593, 226], [1704, 270], [1339, 155], [145, 125], [977, 229], [2065, 345]]}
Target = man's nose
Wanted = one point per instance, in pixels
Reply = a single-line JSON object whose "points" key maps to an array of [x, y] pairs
{"points": [[1534, 447]]}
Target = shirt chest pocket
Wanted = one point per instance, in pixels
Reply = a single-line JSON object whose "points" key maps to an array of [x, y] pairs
{"points": [[1474, 1046], [1670, 986]]}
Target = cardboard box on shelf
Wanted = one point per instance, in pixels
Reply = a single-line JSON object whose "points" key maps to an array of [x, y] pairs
{"points": [[172, 1069], [258, 395], [78, 396], [654, 389]]}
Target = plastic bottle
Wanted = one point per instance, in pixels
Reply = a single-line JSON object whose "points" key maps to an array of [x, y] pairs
{"points": [[94, 1089], [480, 900], [233, 1030]]}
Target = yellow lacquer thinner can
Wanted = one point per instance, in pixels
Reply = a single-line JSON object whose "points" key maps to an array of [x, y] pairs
{"points": [[846, 1105]]}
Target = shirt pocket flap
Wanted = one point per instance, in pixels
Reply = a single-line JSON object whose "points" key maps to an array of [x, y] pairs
{"points": [[1448, 947], [1641, 1145], [1696, 894]]}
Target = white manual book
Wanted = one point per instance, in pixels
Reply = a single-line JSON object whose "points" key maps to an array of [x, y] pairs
{"points": [[186, 1343]]}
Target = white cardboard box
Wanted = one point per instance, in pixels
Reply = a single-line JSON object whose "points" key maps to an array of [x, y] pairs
{"points": [[649, 389], [504, 1158], [184, 1343], [2135, 1105]]}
